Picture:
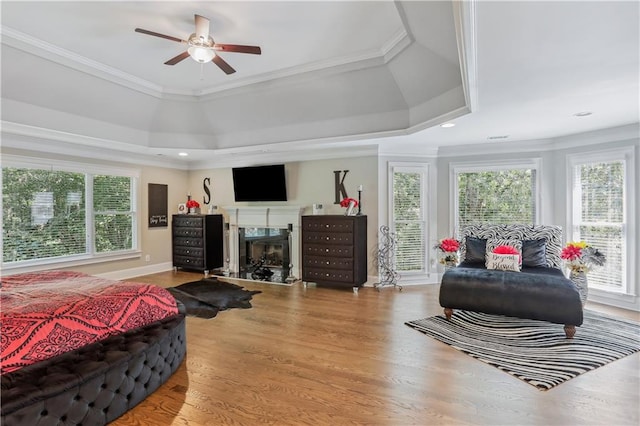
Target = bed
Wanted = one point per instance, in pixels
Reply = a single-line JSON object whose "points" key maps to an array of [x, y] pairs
{"points": [[79, 349]]}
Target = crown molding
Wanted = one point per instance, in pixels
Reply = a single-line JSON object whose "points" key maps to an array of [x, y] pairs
{"points": [[30, 138], [464, 17], [18, 40], [612, 134], [34, 46]]}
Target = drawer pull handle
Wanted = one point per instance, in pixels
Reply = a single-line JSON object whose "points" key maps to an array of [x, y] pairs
{"points": [[327, 250], [327, 238]]}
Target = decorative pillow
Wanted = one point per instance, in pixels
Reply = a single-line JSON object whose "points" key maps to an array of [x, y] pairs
{"points": [[493, 243], [475, 250], [534, 253], [503, 262]]}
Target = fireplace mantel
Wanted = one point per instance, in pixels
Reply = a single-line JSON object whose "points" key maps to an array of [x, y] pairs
{"points": [[264, 217]]}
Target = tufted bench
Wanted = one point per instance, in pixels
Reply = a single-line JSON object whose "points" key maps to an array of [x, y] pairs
{"points": [[97, 383]]}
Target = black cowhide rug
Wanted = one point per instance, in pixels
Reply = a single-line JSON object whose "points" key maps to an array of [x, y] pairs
{"points": [[204, 298]]}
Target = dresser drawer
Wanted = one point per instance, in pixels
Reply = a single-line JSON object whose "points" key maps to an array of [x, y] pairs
{"points": [[328, 251], [315, 262], [188, 242], [327, 225], [327, 275], [188, 251], [186, 221], [193, 262], [188, 232], [326, 238]]}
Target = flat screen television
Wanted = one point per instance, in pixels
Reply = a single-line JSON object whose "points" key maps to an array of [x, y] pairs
{"points": [[260, 183]]}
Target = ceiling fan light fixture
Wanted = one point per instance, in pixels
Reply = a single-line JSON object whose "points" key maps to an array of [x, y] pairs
{"points": [[201, 54]]}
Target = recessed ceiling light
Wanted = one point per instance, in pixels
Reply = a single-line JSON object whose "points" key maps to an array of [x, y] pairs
{"points": [[447, 125], [183, 154], [498, 137], [582, 113]]}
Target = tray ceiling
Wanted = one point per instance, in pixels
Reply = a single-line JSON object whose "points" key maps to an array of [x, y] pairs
{"points": [[335, 73]]}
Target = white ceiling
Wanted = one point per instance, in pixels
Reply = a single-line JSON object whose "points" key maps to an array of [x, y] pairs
{"points": [[332, 74]]}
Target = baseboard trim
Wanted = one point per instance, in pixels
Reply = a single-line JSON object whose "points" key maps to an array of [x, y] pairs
{"points": [[125, 274]]}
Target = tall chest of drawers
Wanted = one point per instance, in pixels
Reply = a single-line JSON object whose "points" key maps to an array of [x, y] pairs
{"points": [[334, 250], [197, 241]]}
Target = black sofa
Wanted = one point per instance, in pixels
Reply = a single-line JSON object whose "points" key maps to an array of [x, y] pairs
{"points": [[539, 291]]}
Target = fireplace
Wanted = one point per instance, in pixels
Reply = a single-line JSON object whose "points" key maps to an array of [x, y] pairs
{"points": [[264, 254], [266, 237]]}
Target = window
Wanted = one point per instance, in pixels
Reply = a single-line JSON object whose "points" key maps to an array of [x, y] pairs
{"points": [[598, 208], [408, 191], [504, 194], [46, 218]]}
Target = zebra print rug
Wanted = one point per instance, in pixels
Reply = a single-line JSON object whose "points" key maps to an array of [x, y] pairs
{"points": [[535, 351]]}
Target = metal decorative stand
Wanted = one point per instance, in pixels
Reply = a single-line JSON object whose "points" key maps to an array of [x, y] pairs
{"points": [[227, 249], [386, 257], [291, 278]]}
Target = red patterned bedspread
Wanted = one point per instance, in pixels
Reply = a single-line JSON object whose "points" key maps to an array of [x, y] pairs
{"points": [[48, 313]]}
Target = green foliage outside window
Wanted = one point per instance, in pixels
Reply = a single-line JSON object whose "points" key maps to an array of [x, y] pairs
{"points": [[408, 221], [32, 231], [45, 214], [496, 197]]}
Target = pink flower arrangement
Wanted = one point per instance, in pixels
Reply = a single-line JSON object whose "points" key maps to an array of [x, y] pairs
{"points": [[192, 204], [572, 251], [346, 201], [580, 256], [449, 245]]}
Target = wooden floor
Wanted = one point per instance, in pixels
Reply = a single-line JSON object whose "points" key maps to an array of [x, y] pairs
{"points": [[321, 356]]}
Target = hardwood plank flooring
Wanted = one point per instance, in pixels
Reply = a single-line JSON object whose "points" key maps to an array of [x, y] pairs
{"points": [[324, 356]]}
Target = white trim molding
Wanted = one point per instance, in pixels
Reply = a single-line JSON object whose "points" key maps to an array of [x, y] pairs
{"points": [[628, 296]]}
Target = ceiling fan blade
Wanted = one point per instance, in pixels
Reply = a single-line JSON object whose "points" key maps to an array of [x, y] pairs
{"points": [[140, 30], [237, 48], [224, 66], [202, 27], [175, 60]]}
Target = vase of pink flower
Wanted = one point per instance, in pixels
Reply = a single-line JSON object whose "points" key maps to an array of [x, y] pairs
{"points": [[193, 206], [350, 204], [580, 257], [448, 249]]}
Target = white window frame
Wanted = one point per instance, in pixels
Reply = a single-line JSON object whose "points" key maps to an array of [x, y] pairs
{"points": [[32, 265], [423, 169], [491, 166], [627, 156]]}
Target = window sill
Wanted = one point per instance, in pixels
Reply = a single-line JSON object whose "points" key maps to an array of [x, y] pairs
{"points": [[46, 264]]}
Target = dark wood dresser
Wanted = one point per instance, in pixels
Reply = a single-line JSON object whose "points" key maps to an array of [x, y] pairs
{"points": [[334, 250], [198, 242]]}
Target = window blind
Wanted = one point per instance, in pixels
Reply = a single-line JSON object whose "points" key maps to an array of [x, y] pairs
{"points": [[408, 219], [113, 218], [45, 214], [496, 197], [599, 195], [36, 221]]}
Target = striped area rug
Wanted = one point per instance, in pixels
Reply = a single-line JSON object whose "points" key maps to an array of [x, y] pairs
{"points": [[535, 351]]}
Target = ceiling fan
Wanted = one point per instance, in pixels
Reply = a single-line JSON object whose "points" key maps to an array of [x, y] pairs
{"points": [[202, 48]]}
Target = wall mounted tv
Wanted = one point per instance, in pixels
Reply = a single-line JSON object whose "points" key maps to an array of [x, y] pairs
{"points": [[259, 183]]}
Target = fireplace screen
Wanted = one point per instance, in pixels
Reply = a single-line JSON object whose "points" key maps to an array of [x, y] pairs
{"points": [[264, 254]]}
